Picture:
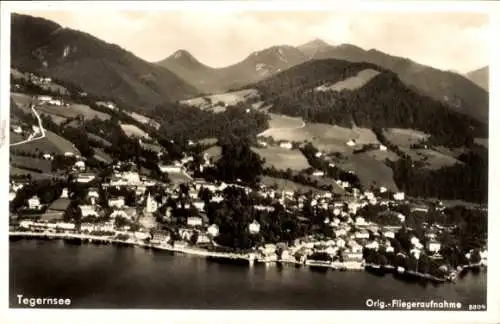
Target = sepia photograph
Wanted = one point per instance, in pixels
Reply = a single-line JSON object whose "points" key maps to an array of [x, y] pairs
{"points": [[247, 156]]}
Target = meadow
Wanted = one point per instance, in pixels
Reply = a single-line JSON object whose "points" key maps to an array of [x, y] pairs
{"points": [[282, 159], [404, 137], [51, 143], [134, 131]]}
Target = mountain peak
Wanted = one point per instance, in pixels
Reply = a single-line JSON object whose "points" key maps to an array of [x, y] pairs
{"points": [[317, 42]]}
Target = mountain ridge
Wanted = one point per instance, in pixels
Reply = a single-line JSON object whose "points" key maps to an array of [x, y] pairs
{"points": [[42, 46]]}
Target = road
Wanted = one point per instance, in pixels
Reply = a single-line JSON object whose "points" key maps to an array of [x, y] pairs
{"points": [[42, 130]]}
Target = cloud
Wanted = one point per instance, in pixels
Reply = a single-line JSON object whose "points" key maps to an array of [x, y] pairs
{"points": [[454, 41]]}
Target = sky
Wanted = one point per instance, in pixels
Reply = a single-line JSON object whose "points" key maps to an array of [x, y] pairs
{"points": [[448, 41]]}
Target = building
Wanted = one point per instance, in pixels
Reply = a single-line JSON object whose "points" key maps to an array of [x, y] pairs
{"points": [[88, 211], [117, 202], [151, 204], [318, 173], [34, 203], [85, 177], [389, 234], [382, 147], [362, 235], [79, 165], [199, 204], [213, 230], [194, 221], [433, 246], [254, 227], [17, 129], [286, 145], [170, 168], [399, 196], [351, 143]]}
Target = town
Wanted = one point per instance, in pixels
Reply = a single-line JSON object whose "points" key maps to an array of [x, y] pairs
{"points": [[182, 213]]}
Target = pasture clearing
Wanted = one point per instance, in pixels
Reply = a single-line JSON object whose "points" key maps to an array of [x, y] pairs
{"points": [[404, 137], [178, 178], [144, 120], [22, 100], [15, 138], [134, 131], [214, 152], [208, 141], [481, 141], [73, 110], [382, 155], [287, 185], [100, 155], [222, 99], [282, 159], [369, 171], [51, 143], [99, 139], [25, 162], [14, 171], [325, 137], [351, 83], [157, 148], [431, 159]]}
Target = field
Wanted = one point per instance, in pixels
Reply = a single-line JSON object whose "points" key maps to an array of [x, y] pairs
{"points": [[287, 185], [31, 163], [229, 99], [214, 152], [481, 141], [325, 181], [382, 155], [99, 139], [145, 120], [325, 137], [51, 143], [178, 178], [73, 110], [369, 171], [404, 137], [34, 175], [431, 159], [351, 83], [15, 138], [102, 156], [282, 158], [152, 147], [134, 131]]}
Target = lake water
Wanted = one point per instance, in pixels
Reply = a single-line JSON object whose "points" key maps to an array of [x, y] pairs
{"points": [[103, 276]]}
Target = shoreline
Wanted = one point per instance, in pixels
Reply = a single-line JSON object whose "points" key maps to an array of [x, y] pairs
{"points": [[249, 257]]}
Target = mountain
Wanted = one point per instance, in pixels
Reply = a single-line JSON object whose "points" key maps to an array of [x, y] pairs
{"points": [[255, 67], [452, 88], [345, 93], [102, 69], [311, 48], [480, 77]]}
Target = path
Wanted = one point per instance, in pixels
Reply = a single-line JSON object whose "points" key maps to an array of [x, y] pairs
{"points": [[42, 130]]}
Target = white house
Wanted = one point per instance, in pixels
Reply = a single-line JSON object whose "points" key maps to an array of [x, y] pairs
{"points": [[68, 154], [12, 195], [170, 168], [389, 234], [383, 189], [44, 98], [318, 173], [373, 245], [254, 227], [416, 253], [200, 205], [34, 203], [399, 196], [433, 246], [318, 154], [213, 230], [340, 242], [85, 177], [362, 235], [382, 147], [80, 165], [194, 221], [119, 213], [117, 202], [17, 129], [65, 226], [401, 217], [47, 156], [414, 240], [88, 210], [360, 221], [286, 145], [389, 249], [351, 143]]}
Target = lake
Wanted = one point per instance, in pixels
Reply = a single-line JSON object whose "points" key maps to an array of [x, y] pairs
{"points": [[104, 276]]}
